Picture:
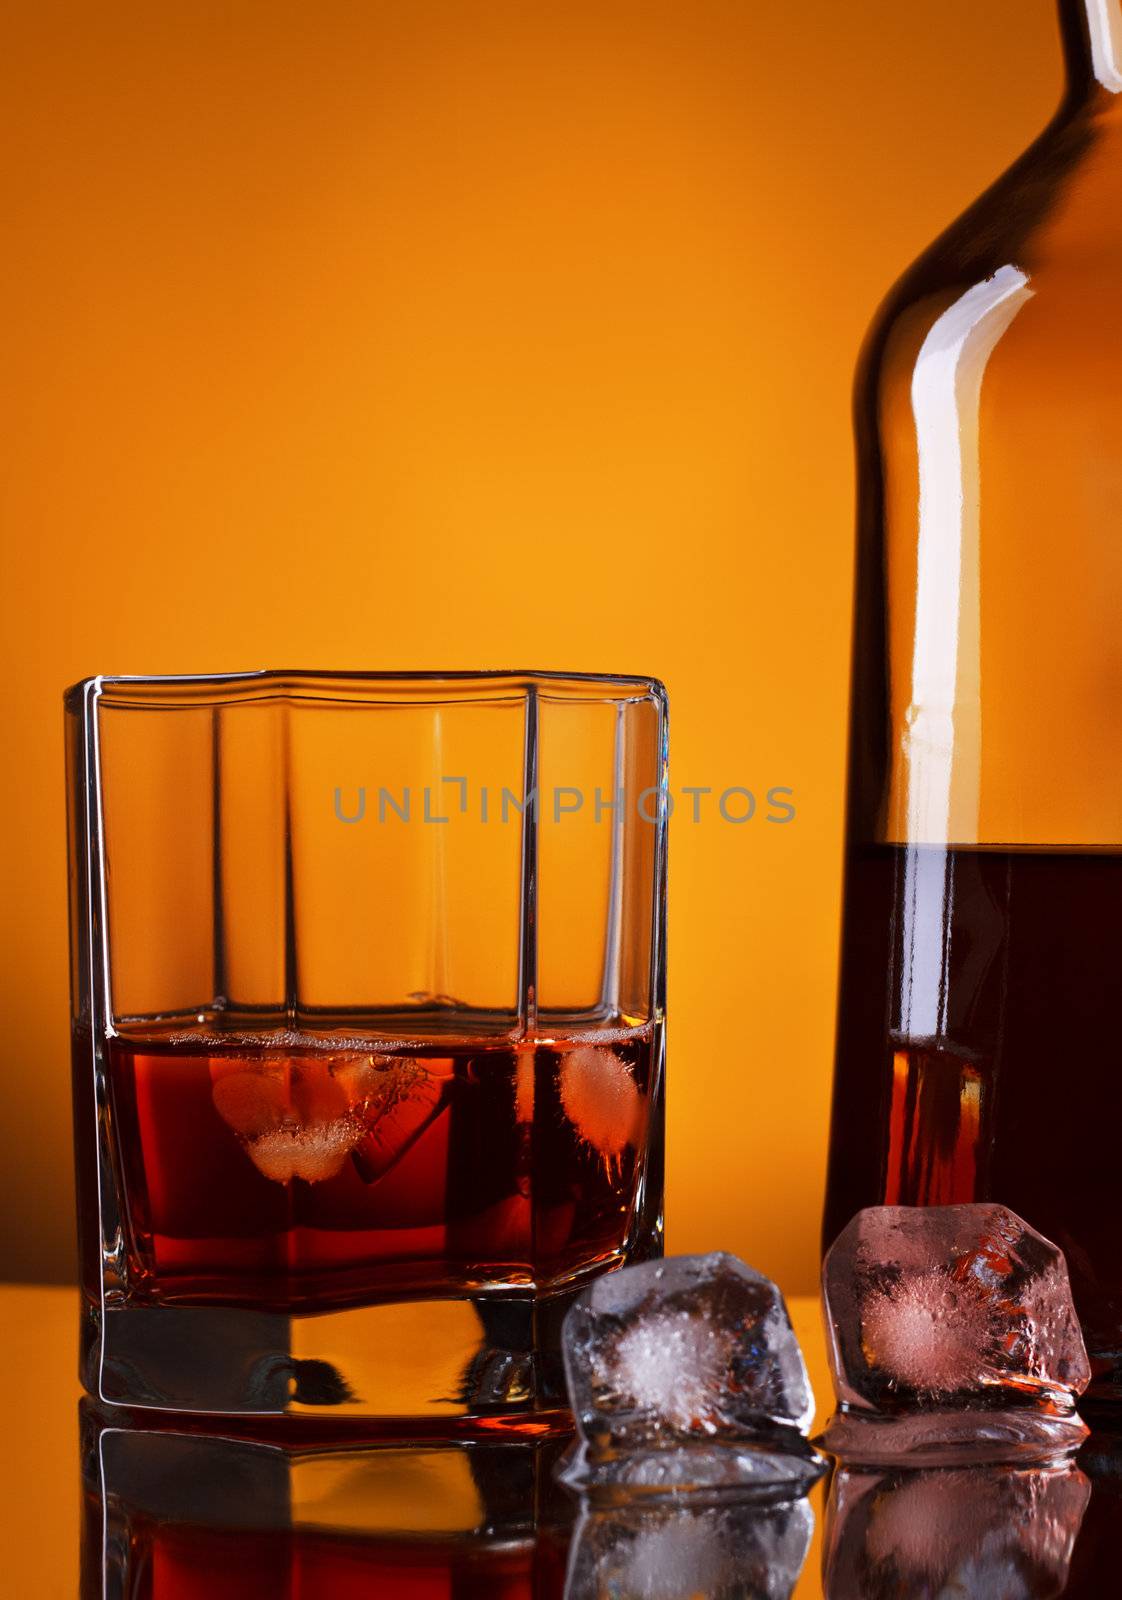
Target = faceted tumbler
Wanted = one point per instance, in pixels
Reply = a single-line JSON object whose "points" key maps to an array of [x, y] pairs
{"points": [[368, 998]]}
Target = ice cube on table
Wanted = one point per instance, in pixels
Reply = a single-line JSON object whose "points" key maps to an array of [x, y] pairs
{"points": [[731, 1550], [685, 1374], [977, 1532], [951, 1335]]}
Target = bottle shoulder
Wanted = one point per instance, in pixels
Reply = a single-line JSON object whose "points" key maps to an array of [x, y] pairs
{"points": [[1054, 216]]}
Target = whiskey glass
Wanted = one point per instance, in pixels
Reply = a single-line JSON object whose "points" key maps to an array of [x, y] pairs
{"points": [[368, 978]]}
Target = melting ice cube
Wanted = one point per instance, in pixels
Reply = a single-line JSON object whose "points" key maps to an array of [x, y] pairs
{"points": [[952, 1333], [686, 1374]]}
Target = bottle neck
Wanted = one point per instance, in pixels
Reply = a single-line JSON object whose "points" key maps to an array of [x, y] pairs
{"points": [[1092, 33]]}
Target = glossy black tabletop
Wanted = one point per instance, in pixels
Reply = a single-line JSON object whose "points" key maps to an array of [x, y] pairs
{"points": [[169, 1512]]}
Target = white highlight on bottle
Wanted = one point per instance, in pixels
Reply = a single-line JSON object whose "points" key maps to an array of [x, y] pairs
{"points": [[944, 717], [1104, 18], [942, 739]]}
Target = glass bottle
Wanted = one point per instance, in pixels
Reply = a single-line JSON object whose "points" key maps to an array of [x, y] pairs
{"points": [[978, 1055]]}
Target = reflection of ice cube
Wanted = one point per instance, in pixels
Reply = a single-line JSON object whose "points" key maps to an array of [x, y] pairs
{"points": [[952, 1333], [686, 1373], [735, 1550], [978, 1532]]}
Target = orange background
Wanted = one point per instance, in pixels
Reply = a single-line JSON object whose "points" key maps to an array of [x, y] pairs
{"points": [[441, 333]]}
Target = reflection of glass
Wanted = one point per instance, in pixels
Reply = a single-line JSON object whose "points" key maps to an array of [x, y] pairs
{"points": [[981, 1531], [982, 940], [368, 999], [182, 1516], [733, 1549]]}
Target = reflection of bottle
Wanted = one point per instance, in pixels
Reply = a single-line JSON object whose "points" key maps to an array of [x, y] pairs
{"points": [[978, 1054]]}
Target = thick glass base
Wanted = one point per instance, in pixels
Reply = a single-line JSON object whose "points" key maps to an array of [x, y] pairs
{"points": [[480, 1364]]}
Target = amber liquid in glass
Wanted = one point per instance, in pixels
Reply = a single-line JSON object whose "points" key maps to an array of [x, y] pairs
{"points": [[287, 1170], [1016, 1095]]}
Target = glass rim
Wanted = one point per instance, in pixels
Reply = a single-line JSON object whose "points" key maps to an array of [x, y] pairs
{"points": [[321, 684]]}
